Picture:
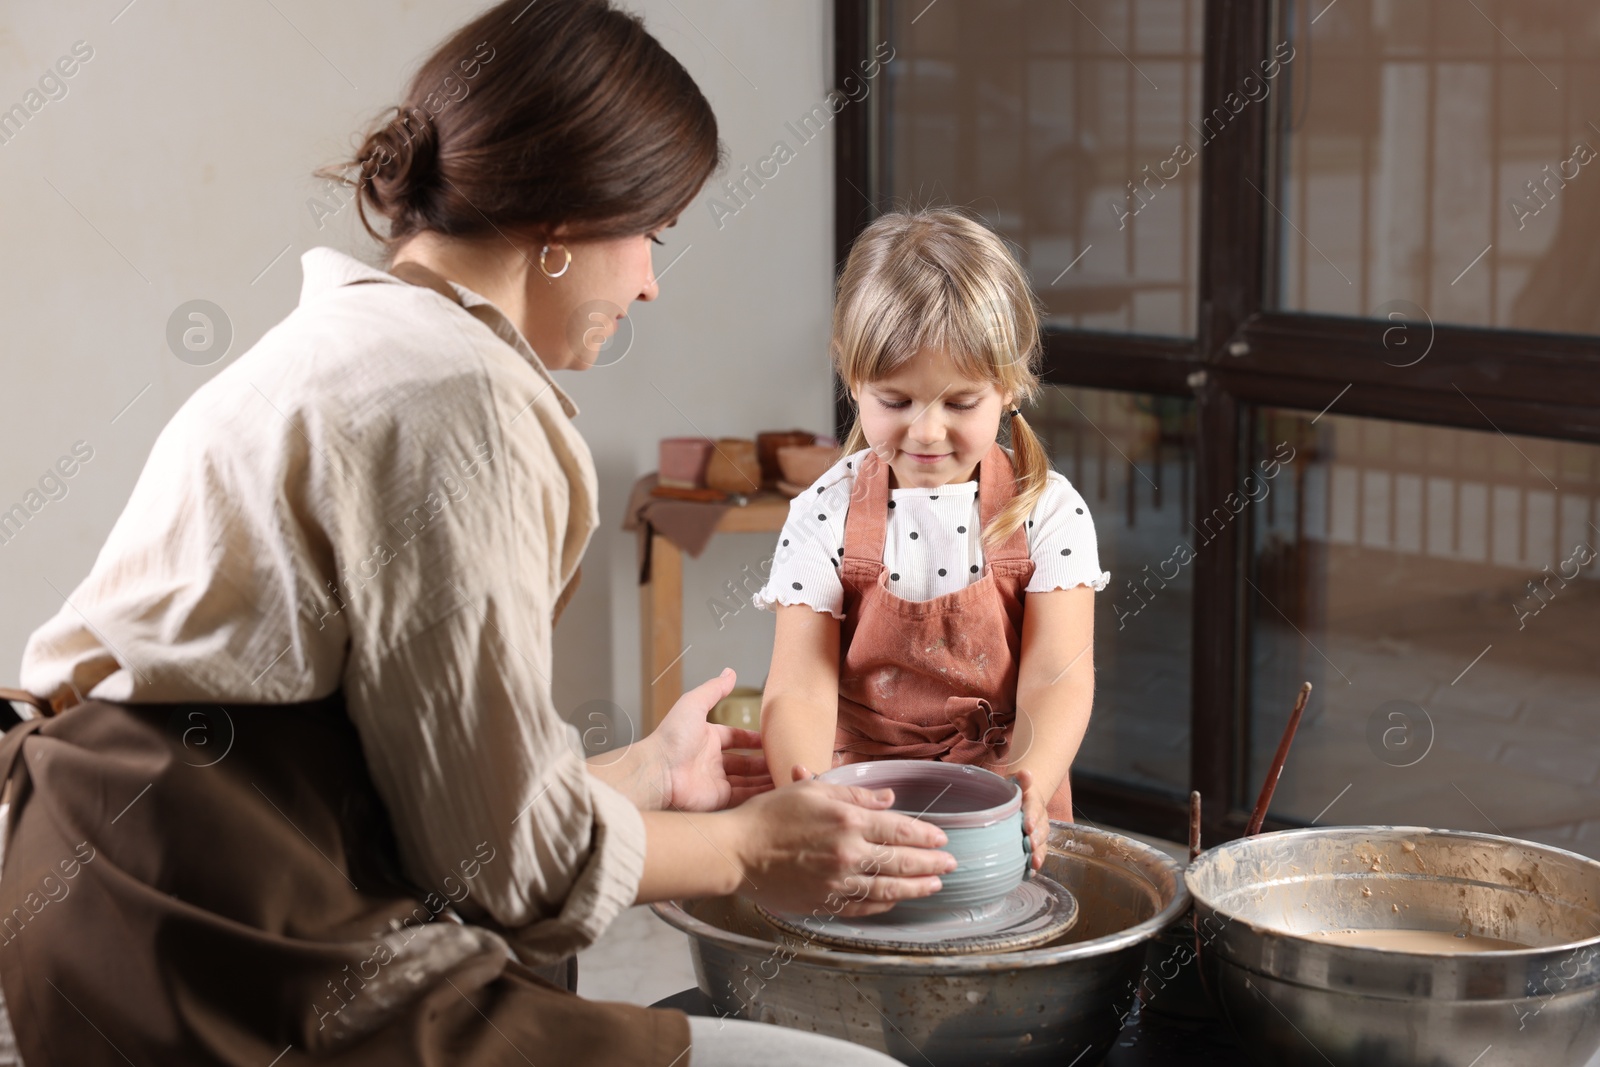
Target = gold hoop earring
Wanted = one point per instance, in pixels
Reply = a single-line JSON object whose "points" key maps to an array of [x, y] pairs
{"points": [[545, 270]]}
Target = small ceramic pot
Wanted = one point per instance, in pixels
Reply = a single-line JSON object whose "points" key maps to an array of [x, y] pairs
{"points": [[767, 445], [734, 467], [801, 465], [979, 811], [683, 461], [741, 708]]}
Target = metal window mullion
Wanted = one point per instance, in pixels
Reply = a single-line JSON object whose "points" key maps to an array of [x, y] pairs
{"points": [[1494, 182], [1431, 127]]}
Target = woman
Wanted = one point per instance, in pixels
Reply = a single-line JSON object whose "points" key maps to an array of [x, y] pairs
{"points": [[310, 720]]}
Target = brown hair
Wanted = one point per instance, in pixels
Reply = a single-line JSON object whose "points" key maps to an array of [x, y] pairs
{"points": [[936, 278], [534, 115]]}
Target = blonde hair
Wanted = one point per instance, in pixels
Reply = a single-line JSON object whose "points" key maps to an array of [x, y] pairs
{"points": [[936, 278]]}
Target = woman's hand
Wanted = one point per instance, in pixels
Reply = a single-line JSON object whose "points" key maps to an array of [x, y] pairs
{"points": [[836, 847], [811, 847], [699, 771], [686, 764], [1035, 818]]}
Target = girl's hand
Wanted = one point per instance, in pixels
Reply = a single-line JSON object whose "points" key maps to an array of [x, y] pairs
{"points": [[1035, 818], [834, 847]]}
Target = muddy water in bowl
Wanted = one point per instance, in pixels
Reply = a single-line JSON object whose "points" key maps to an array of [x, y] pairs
{"points": [[1430, 941], [989, 903], [1339, 945]]}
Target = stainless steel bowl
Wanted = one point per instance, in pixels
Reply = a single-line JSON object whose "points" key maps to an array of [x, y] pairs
{"points": [[1296, 998], [1061, 1003]]}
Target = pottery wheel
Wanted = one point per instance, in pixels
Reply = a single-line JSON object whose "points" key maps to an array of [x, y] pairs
{"points": [[1037, 911]]}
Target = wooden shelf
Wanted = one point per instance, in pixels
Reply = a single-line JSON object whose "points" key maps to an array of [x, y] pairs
{"points": [[661, 604]]}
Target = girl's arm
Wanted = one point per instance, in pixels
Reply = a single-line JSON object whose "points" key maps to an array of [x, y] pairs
{"points": [[1055, 688], [800, 705]]}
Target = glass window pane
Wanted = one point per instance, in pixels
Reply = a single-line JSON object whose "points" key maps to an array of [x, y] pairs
{"points": [[1070, 129], [1443, 154], [1132, 457], [1439, 589]]}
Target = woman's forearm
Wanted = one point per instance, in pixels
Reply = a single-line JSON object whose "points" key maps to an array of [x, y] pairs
{"points": [[690, 854], [793, 849], [637, 772]]}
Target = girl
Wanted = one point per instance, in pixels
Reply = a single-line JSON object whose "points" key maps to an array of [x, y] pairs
{"points": [[933, 589]]}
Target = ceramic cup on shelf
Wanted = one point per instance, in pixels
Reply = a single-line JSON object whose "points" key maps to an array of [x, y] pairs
{"points": [[801, 465], [741, 708], [682, 461], [979, 811], [767, 445], [734, 466]]}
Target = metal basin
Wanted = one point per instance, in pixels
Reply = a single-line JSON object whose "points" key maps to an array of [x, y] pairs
{"points": [[1294, 997], [1061, 1003]]}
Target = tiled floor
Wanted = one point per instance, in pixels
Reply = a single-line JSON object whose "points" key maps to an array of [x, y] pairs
{"points": [[639, 960]]}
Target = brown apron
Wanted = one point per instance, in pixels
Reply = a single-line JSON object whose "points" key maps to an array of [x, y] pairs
{"points": [[220, 885], [931, 679], [206, 884]]}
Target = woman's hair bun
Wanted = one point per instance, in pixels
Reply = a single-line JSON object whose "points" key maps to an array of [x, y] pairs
{"points": [[399, 164]]}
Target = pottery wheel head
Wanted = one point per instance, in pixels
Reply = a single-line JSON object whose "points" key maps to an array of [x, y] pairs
{"points": [[1036, 912]]}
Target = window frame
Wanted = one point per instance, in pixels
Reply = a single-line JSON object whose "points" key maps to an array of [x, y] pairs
{"points": [[1245, 355]]}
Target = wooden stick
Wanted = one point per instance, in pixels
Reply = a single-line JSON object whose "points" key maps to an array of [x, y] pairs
{"points": [[1194, 825], [1259, 816]]}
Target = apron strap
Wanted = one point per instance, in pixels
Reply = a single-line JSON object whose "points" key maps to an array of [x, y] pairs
{"points": [[997, 485], [415, 273], [22, 696], [866, 521], [10, 749]]}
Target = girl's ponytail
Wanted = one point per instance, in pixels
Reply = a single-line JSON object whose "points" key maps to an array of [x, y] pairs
{"points": [[1032, 468]]}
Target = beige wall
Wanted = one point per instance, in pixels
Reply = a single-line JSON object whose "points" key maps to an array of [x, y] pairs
{"points": [[176, 167]]}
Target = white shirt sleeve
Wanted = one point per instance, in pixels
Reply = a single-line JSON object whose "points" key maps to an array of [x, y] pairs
{"points": [[1061, 540], [806, 561]]}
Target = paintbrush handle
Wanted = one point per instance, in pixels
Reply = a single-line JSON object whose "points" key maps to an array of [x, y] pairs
{"points": [[1259, 816], [1194, 825]]}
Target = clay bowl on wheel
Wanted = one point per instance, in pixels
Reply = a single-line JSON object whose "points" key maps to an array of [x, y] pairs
{"points": [[1386, 945], [979, 811]]}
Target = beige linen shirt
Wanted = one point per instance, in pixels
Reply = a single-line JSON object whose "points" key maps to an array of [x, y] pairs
{"points": [[386, 493]]}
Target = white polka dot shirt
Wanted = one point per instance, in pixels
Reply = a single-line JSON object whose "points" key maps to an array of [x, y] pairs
{"points": [[933, 545]]}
